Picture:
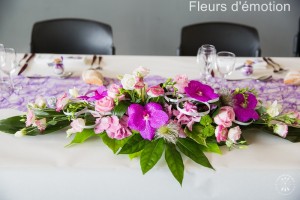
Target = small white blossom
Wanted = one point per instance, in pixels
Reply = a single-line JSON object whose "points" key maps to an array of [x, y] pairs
{"points": [[20, 133], [141, 72], [128, 81], [273, 109], [74, 92]]}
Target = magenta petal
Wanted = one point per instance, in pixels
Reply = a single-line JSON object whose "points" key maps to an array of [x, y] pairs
{"points": [[245, 115], [135, 119], [252, 101], [200, 91], [158, 118], [148, 133], [152, 106]]}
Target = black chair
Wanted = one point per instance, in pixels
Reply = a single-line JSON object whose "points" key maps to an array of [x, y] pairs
{"points": [[297, 43], [72, 36], [239, 39]]}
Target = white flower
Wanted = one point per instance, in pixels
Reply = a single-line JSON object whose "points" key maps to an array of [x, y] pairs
{"points": [[77, 126], [141, 72], [20, 133], [273, 109], [234, 134], [169, 132], [281, 129], [74, 92], [128, 81], [40, 102]]}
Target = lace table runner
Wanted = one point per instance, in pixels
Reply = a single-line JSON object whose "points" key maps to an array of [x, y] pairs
{"points": [[288, 96]]}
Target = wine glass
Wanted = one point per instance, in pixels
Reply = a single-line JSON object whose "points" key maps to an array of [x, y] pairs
{"points": [[206, 58], [11, 68], [225, 63]]}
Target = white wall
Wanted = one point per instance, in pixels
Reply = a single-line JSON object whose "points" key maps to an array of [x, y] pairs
{"points": [[145, 27]]}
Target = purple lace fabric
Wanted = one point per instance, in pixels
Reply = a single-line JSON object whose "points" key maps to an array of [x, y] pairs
{"points": [[288, 96]]}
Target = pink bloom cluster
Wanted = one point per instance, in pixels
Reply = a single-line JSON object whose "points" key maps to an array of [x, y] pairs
{"points": [[115, 128], [41, 124], [224, 120]]}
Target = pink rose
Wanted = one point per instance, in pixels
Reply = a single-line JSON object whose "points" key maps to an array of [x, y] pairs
{"points": [[155, 91], [120, 134], [78, 125], [114, 92], [30, 118], [234, 134], [139, 84], [221, 133], [281, 129], [41, 124], [225, 116], [106, 104], [61, 102], [182, 81]]}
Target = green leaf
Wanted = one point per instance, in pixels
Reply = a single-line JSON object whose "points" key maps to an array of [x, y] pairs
{"points": [[174, 161], [193, 150], [82, 137], [196, 134], [211, 147], [134, 155], [206, 120], [135, 144], [113, 144], [11, 125], [151, 155], [121, 108]]}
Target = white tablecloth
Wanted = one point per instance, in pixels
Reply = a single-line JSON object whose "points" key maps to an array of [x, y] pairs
{"points": [[35, 168]]}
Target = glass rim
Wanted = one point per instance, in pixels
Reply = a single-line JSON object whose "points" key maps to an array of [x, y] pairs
{"points": [[226, 54]]}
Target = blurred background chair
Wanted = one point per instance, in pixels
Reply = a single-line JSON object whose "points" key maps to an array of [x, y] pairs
{"points": [[72, 36], [297, 43], [239, 39]]}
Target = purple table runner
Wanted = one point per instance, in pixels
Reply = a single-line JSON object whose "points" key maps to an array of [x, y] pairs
{"points": [[288, 96]]}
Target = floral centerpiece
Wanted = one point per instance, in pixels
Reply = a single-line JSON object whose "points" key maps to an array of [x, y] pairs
{"points": [[177, 117]]}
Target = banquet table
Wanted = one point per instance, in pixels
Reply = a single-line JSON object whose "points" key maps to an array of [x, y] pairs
{"points": [[41, 167]]}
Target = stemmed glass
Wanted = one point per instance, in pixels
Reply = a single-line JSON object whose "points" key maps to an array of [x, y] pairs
{"points": [[225, 63], [11, 67], [206, 58]]}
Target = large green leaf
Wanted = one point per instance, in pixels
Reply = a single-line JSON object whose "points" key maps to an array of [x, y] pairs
{"points": [[135, 144], [121, 108], [11, 125], [174, 161], [113, 144], [151, 155], [211, 147], [193, 150], [82, 136], [196, 134]]}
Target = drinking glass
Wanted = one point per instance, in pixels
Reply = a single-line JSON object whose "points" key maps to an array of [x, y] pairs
{"points": [[11, 68], [206, 58], [225, 63]]}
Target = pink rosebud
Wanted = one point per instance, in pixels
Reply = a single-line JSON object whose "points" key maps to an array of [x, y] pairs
{"points": [[234, 134], [114, 92], [102, 124], [139, 83], [61, 102], [182, 81], [225, 116], [41, 124], [155, 91], [78, 125], [106, 104], [121, 133], [221, 133], [30, 118], [281, 129]]}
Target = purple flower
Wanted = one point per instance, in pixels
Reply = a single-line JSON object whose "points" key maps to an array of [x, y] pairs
{"points": [[245, 108], [146, 119], [200, 92], [98, 94]]}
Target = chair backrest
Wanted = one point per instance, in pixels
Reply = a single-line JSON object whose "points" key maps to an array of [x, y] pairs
{"points": [[239, 39], [297, 52], [72, 36]]}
